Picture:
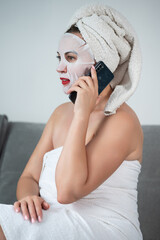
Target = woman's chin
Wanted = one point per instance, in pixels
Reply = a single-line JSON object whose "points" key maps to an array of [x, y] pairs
{"points": [[65, 91]]}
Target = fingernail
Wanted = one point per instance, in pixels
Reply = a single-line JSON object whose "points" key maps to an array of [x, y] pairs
{"points": [[39, 218], [33, 220], [25, 217], [16, 210], [93, 67]]}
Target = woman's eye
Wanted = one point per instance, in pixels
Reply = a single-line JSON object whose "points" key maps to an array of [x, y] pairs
{"points": [[71, 58], [58, 57]]}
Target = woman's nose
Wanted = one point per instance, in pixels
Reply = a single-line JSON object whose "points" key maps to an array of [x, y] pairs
{"points": [[62, 68]]}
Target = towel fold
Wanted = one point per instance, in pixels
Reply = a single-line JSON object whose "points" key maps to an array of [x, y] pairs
{"points": [[113, 40]]}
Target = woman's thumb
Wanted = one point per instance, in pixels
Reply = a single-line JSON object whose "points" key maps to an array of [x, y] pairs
{"points": [[45, 204]]}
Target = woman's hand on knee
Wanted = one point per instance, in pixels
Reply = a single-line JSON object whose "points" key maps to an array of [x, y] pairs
{"points": [[31, 207]]}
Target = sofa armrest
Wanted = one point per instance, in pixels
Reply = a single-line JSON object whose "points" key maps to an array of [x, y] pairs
{"points": [[3, 130]]}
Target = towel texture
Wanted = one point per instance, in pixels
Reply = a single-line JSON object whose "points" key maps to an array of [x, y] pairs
{"points": [[113, 40]]}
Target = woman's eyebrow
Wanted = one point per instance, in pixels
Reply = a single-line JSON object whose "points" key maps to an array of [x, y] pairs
{"points": [[70, 52]]}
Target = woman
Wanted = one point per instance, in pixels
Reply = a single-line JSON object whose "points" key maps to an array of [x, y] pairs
{"points": [[87, 179]]}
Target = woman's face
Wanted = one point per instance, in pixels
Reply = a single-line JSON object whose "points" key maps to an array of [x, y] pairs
{"points": [[75, 59]]}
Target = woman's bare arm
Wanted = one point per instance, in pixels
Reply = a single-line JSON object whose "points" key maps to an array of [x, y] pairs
{"points": [[28, 183], [27, 186], [71, 169]]}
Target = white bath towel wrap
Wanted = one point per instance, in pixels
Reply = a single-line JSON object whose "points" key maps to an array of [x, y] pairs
{"points": [[110, 212]]}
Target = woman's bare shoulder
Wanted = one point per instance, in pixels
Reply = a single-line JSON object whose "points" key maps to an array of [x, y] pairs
{"points": [[126, 112], [126, 115], [132, 114], [63, 113], [64, 107]]}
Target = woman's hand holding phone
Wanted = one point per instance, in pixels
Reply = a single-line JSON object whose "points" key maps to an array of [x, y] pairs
{"points": [[31, 205], [87, 93], [104, 76]]}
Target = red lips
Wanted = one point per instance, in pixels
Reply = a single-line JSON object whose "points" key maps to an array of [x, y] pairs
{"points": [[64, 78], [66, 81]]}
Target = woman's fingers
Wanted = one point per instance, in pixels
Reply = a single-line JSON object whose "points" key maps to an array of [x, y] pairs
{"points": [[24, 209], [74, 88], [17, 206], [32, 211], [82, 83], [88, 81], [31, 207], [38, 208], [94, 77]]}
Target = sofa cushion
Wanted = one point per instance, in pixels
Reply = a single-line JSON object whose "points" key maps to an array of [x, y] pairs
{"points": [[22, 138]]}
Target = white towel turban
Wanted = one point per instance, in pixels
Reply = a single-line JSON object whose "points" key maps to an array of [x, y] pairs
{"points": [[112, 40]]}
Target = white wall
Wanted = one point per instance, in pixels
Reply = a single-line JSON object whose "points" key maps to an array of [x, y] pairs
{"points": [[30, 88]]}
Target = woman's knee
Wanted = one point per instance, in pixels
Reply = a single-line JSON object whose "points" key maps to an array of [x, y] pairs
{"points": [[2, 237]]}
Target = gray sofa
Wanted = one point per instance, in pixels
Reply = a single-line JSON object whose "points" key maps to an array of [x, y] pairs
{"points": [[18, 140]]}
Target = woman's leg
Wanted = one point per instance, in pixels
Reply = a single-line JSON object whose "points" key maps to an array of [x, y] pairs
{"points": [[2, 237]]}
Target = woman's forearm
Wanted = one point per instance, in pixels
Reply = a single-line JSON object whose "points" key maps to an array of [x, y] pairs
{"points": [[26, 186], [71, 170]]}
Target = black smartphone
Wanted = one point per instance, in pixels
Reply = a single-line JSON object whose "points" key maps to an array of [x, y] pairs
{"points": [[104, 76]]}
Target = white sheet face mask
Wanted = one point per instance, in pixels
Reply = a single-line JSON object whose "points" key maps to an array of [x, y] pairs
{"points": [[70, 46]]}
